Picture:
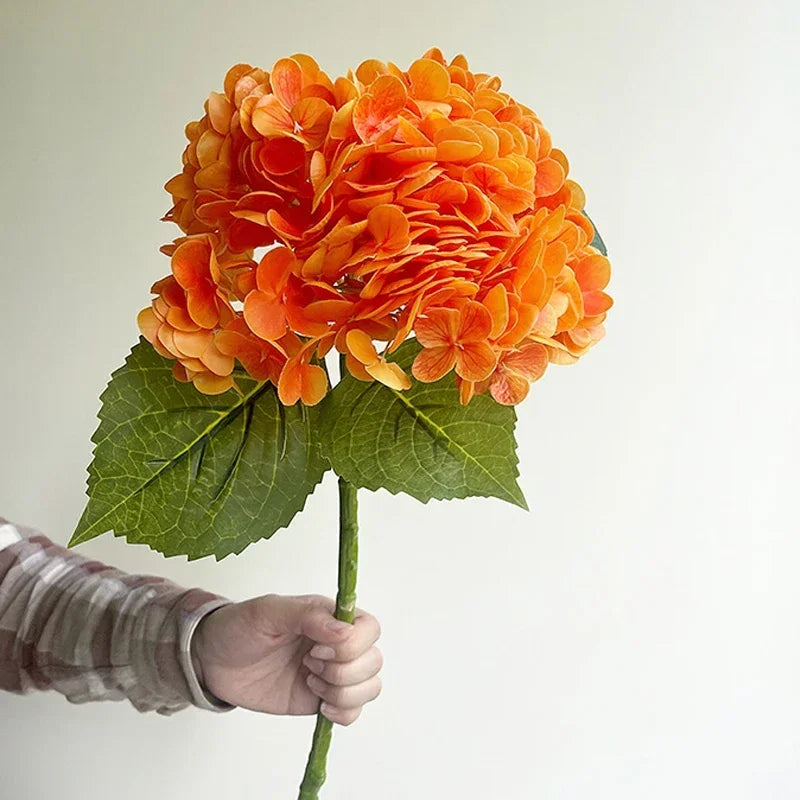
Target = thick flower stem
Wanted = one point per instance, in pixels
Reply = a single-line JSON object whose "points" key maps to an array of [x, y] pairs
{"points": [[345, 609]]}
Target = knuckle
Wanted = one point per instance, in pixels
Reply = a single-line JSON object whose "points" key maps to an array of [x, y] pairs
{"points": [[378, 659], [350, 651], [335, 674], [335, 696]]}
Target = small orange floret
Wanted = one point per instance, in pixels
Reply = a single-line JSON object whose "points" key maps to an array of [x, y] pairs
{"points": [[455, 338]]}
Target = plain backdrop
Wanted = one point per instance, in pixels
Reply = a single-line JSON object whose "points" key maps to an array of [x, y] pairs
{"points": [[635, 635]]}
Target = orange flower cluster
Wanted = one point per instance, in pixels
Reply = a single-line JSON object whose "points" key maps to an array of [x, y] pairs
{"points": [[386, 203]]}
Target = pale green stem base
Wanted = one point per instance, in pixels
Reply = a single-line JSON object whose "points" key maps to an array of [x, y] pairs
{"points": [[345, 609]]}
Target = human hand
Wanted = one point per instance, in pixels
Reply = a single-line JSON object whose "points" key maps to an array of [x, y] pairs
{"points": [[281, 655]]}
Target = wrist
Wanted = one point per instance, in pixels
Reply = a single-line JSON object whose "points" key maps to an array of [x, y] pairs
{"points": [[195, 651], [197, 665]]}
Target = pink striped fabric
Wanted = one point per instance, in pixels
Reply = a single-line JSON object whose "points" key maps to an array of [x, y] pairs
{"points": [[91, 632]]}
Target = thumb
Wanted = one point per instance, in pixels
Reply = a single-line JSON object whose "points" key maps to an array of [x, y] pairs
{"points": [[306, 615]]}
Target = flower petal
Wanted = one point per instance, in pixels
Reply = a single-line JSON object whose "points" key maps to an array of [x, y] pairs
{"points": [[376, 112], [190, 262], [217, 362], [593, 272], [475, 323], [509, 389], [550, 177], [270, 118], [529, 362], [390, 375], [148, 324], [208, 383], [433, 363], [429, 80], [265, 315], [439, 327], [475, 361], [496, 301], [390, 227], [282, 155], [314, 384], [360, 345], [286, 80]]}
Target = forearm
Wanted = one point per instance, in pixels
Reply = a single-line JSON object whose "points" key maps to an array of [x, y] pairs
{"points": [[92, 632]]}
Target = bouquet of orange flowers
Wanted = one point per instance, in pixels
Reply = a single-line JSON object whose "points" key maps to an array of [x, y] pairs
{"points": [[421, 209]]}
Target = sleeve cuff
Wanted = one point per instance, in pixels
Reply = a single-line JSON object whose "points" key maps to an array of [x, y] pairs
{"points": [[200, 696]]}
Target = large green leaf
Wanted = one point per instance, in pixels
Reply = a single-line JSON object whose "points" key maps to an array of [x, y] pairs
{"points": [[420, 441], [189, 474]]}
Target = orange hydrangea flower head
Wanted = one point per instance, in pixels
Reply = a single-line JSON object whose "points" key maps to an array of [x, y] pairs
{"points": [[323, 213]]}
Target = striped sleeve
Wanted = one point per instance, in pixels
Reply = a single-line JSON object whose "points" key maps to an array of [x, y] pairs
{"points": [[92, 632]]}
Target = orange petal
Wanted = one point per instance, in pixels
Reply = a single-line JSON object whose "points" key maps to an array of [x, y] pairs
{"points": [[452, 150], [555, 256], [148, 323], [438, 328], [357, 369], [595, 303], [361, 346], [202, 309], [219, 112], [433, 363], [216, 176], [282, 155], [217, 362], [208, 383], [192, 344], [290, 383], [429, 80], [208, 147], [369, 70], [270, 118], [530, 362], [509, 389], [389, 225], [313, 115], [466, 391], [376, 112], [496, 301], [328, 310], [265, 316], [181, 186], [314, 384], [179, 373], [550, 177], [475, 361], [189, 262], [593, 272], [286, 79], [274, 269], [390, 375], [475, 324]]}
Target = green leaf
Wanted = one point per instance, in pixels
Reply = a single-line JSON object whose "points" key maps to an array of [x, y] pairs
{"points": [[196, 475], [598, 239], [421, 441]]}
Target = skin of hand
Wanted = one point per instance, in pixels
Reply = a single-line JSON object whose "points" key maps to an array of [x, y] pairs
{"points": [[282, 655]]}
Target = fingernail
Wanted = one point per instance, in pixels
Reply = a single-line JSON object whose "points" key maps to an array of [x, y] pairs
{"points": [[316, 684], [337, 626], [323, 652], [314, 665], [327, 709]]}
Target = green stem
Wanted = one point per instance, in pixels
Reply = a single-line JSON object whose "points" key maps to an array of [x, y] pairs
{"points": [[345, 609]]}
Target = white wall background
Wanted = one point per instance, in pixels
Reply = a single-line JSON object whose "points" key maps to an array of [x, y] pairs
{"points": [[636, 634]]}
